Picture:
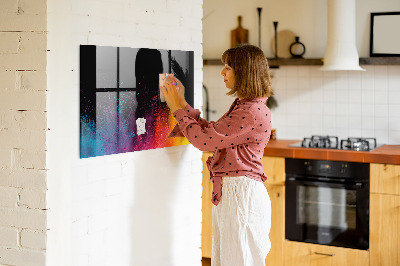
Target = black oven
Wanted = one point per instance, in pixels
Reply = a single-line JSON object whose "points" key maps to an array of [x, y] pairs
{"points": [[327, 202]]}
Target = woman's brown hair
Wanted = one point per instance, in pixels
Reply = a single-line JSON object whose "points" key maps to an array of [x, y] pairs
{"points": [[250, 66]]}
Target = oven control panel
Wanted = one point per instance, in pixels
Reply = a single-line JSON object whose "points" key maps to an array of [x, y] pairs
{"points": [[337, 169]]}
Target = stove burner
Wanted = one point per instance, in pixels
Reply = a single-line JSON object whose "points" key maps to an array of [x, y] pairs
{"points": [[358, 144], [328, 142], [332, 142]]}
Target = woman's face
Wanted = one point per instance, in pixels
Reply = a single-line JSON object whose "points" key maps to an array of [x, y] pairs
{"points": [[229, 76]]}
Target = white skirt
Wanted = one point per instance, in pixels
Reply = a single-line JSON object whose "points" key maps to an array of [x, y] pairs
{"points": [[241, 223]]}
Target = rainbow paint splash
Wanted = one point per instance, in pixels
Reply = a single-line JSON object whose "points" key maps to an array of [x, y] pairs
{"points": [[105, 140], [119, 120]]}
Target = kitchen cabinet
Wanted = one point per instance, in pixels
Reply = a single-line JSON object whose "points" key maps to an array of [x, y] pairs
{"points": [[385, 215], [206, 225], [305, 254], [385, 178], [274, 168], [277, 233]]}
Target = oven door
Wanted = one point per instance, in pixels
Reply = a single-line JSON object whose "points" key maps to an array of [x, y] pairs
{"points": [[327, 213]]}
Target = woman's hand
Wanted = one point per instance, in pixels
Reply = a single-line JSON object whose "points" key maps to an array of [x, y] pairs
{"points": [[174, 94], [181, 91]]}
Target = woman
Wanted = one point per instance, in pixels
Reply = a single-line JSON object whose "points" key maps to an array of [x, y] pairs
{"points": [[242, 211]]}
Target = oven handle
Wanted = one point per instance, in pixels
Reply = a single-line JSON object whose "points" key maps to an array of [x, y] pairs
{"points": [[357, 185]]}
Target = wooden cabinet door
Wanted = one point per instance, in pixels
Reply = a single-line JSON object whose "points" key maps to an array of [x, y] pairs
{"points": [[277, 233], [384, 237], [385, 178], [206, 226], [274, 168], [304, 254]]}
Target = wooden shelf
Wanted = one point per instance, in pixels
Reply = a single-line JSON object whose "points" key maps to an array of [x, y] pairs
{"points": [[380, 61], [273, 63]]}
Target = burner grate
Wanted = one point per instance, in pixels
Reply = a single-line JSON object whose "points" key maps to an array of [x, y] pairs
{"points": [[327, 142], [358, 144], [332, 142]]}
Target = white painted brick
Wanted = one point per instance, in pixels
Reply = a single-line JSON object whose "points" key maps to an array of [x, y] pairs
{"points": [[34, 120], [9, 42], [97, 190], [31, 80], [196, 37], [168, 19], [114, 186], [33, 239], [35, 140], [176, 7], [149, 6], [31, 55], [32, 159], [190, 22], [81, 193], [32, 42], [114, 28], [22, 218], [114, 170], [9, 237], [17, 256], [8, 197], [197, 166], [23, 178], [128, 169], [5, 158], [7, 80], [22, 100], [97, 252], [115, 202], [98, 222], [153, 32], [16, 158], [97, 173], [20, 61], [33, 199], [37, 7], [23, 22], [80, 210], [79, 176], [80, 227], [8, 6], [196, 10], [3, 115]]}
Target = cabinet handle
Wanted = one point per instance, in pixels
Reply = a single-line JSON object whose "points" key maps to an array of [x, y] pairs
{"points": [[324, 254]]}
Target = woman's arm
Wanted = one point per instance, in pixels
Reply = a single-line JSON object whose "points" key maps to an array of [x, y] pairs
{"points": [[239, 127], [174, 93]]}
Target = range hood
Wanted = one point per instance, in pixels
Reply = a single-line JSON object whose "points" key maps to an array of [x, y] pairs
{"points": [[341, 51]]}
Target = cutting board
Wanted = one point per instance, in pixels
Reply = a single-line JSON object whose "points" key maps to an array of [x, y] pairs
{"points": [[239, 35]]}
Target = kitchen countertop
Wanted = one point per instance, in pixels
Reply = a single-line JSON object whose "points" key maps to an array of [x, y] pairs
{"points": [[389, 154]]}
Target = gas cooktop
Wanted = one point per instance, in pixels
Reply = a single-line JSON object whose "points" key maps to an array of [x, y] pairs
{"points": [[332, 142]]}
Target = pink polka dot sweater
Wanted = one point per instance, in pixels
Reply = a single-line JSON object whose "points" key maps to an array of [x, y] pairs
{"points": [[238, 139]]}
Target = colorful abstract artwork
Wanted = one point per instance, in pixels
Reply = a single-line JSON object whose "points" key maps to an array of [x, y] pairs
{"points": [[121, 109]]}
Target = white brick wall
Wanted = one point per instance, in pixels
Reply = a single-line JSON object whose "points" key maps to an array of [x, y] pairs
{"points": [[140, 208], [34, 239], [23, 132]]}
